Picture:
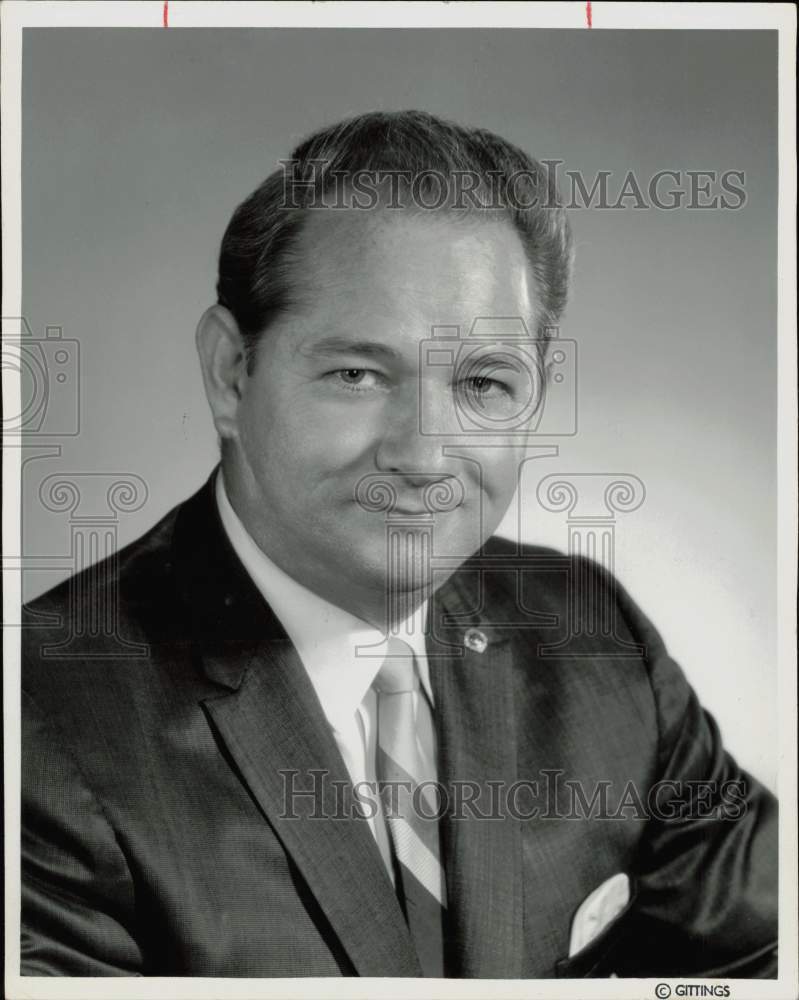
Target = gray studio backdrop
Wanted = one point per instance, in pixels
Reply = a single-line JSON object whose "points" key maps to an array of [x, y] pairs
{"points": [[138, 144]]}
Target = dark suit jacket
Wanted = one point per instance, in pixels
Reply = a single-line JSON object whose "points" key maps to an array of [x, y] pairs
{"points": [[162, 700]]}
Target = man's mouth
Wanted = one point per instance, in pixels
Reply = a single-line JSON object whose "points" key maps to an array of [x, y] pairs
{"points": [[382, 493]]}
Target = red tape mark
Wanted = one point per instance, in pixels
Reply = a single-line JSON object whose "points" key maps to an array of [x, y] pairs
{"points": [[587, 13], [166, 13]]}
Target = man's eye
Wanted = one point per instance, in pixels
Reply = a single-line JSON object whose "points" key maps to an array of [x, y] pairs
{"points": [[357, 379], [483, 386]]}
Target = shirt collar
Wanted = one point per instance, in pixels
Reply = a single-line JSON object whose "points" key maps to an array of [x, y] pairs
{"points": [[341, 653]]}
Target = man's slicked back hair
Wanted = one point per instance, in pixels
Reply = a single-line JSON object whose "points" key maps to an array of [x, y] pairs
{"points": [[413, 153]]}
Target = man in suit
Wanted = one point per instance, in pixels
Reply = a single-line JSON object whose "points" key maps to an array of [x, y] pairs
{"points": [[331, 615]]}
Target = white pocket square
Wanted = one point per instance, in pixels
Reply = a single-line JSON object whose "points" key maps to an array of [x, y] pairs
{"points": [[598, 910]]}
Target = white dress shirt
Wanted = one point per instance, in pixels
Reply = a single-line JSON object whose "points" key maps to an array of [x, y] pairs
{"points": [[342, 655]]}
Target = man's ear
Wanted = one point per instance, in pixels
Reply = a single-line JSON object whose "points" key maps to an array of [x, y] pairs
{"points": [[224, 365]]}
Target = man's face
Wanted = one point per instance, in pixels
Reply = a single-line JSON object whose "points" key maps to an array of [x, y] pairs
{"points": [[339, 391]]}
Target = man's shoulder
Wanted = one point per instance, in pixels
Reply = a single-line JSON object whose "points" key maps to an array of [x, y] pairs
{"points": [[118, 633], [560, 601], [507, 569], [528, 556], [113, 611], [136, 568], [499, 552], [499, 545]]}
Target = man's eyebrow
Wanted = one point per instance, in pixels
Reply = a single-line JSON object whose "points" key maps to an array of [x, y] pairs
{"points": [[498, 362], [342, 345]]}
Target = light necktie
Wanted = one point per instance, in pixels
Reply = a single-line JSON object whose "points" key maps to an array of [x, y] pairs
{"points": [[405, 761]]}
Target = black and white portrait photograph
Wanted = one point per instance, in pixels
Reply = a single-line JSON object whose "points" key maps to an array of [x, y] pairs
{"points": [[399, 516]]}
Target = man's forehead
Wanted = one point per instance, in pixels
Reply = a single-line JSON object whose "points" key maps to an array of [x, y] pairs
{"points": [[442, 268]]}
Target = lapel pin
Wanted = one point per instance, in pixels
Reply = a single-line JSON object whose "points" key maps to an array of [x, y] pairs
{"points": [[475, 640]]}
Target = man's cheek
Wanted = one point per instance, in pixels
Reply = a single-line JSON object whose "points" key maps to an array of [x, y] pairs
{"points": [[352, 438], [499, 478], [333, 438]]}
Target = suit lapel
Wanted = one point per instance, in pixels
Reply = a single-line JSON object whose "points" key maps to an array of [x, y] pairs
{"points": [[475, 727], [271, 722], [278, 736]]}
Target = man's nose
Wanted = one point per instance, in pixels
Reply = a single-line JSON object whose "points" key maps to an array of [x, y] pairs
{"points": [[414, 434]]}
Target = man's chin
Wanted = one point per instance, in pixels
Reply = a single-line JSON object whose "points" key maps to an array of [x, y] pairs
{"points": [[413, 577], [409, 567]]}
